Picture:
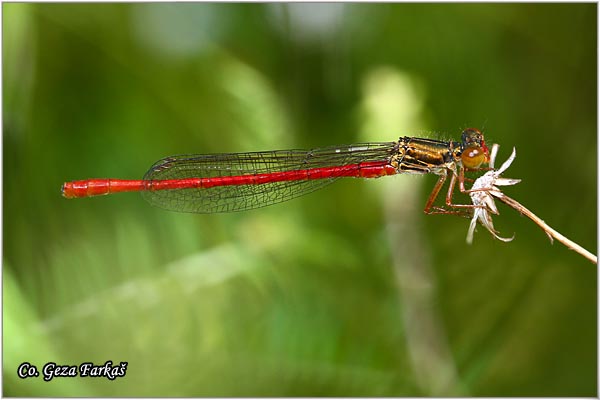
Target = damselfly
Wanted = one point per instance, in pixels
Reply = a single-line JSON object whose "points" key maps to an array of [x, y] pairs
{"points": [[215, 183]]}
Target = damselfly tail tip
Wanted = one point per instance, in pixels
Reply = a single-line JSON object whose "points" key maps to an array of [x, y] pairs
{"points": [[67, 190]]}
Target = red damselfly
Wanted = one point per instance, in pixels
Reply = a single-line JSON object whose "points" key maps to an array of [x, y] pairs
{"points": [[215, 183]]}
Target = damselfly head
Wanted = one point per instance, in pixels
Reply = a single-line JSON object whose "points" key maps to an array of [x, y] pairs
{"points": [[474, 150], [472, 137]]}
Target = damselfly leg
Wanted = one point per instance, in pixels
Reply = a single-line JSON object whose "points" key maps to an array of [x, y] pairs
{"points": [[451, 207]]}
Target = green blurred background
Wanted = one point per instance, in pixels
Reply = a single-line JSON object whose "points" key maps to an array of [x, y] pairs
{"points": [[350, 291]]}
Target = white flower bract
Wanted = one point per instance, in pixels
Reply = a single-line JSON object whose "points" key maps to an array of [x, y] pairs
{"points": [[483, 191]]}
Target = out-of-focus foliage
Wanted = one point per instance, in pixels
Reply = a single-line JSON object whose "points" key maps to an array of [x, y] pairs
{"points": [[306, 298]]}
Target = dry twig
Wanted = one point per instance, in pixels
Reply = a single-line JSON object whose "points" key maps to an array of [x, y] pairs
{"points": [[482, 193]]}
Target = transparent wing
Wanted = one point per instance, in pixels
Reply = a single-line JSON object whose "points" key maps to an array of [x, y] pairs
{"points": [[239, 197]]}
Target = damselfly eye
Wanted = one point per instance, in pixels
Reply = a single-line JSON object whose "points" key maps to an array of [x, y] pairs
{"points": [[473, 157], [471, 136]]}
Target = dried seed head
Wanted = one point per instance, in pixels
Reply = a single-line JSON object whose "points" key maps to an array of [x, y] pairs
{"points": [[483, 191]]}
